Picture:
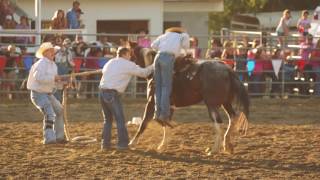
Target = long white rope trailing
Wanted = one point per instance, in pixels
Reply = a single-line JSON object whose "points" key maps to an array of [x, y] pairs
{"points": [[76, 139]]}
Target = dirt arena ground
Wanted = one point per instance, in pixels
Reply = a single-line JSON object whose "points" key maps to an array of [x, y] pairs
{"points": [[283, 142]]}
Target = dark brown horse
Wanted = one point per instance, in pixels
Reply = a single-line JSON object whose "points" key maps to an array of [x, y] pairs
{"points": [[212, 82]]}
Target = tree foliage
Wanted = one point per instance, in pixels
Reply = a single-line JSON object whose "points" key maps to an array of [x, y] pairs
{"points": [[231, 8]]}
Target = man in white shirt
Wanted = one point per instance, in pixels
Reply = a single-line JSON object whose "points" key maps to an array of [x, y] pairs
{"points": [[169, 46], [116, 75], [42, 82]]}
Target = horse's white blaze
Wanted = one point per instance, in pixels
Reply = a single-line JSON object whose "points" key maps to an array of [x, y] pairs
{"points": [[163, 138], [148, 59]]}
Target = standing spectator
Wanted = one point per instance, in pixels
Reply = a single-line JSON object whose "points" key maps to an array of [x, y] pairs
{"points": [[169, 46], [143, 39], [123, 42], [105, 45], [303, 25], [9, 23], [73, 21], [5, 10], [64, 61], [27, 60], [79, 49], [11, 70], [78, 13], [116, 76], [227, 55], [282, 29], [24, 24], [215, 49], [58, 40], [305, 52], [42, 81], [195, 50], [241, 57], [258, 75], [92, 63], [58, 20], [104, 42]]}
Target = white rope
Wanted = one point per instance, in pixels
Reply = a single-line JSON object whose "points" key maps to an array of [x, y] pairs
{"points": [[77, 139]]}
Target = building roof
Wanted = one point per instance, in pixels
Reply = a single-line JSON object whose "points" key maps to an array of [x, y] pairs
{"points": [[293, 5]]}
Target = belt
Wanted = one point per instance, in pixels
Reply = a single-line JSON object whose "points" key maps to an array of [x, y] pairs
{"points": [[166, 52], [42, 92], [109, 90]]}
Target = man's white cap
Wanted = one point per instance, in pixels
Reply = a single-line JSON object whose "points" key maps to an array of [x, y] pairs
{"points": [[44, 46]]}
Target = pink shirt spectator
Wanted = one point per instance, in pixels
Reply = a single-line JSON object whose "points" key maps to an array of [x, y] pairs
{"points": [[144, 42], [258, 68]]}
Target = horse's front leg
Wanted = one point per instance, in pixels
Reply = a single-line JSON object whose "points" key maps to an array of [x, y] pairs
{"points": [[147, 116]]}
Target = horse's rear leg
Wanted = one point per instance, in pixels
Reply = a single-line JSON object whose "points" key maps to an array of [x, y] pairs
{"points": [[227, 142], [141, 129], [163, 138], [215, 117], [148, 114]]}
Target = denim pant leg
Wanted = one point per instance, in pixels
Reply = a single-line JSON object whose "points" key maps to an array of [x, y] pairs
{"points": [[112, 106], [58, 94], [157, 80], [107, 119], [42, 102], [120, 120], [164, 85], [59, 121]]}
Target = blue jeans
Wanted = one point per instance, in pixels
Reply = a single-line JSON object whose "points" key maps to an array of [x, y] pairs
{"points": [[164, 63], [112, 107], [52, 111]]}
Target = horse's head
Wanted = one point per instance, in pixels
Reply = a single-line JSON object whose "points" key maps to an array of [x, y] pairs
{"points": [[143, 56]]}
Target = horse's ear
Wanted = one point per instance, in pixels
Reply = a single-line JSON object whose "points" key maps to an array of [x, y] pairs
{"points": [[133, 44]]}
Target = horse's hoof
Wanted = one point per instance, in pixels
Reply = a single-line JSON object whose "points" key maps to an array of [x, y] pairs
{"points": [[160, 148], [228, 150], [209, 153], [132, 143]]}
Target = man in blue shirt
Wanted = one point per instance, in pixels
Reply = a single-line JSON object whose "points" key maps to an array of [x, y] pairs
{"points": [[73, 21]]}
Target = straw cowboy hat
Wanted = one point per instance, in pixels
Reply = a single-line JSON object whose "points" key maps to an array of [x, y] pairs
{"points": [[176, 29], [44, 46]]}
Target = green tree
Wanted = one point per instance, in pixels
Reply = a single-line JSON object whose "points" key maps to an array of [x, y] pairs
{"points": [[231, 8]]}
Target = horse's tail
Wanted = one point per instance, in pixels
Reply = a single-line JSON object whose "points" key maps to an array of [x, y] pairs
{"points": [[240, 93], [242, 97]]}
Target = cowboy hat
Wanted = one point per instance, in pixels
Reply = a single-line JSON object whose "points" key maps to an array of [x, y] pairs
{"points": [[44, 46], [176, 29]]}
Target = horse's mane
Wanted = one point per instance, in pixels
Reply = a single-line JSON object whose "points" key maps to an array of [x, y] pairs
{"points": [[145, 57], [182, 63]]}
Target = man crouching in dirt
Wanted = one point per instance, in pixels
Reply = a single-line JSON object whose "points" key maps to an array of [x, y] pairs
{"points": [[42, 82], [116, 75]]}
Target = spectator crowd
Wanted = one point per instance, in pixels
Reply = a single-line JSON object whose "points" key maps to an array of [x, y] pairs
{"points": [[256, 61]]}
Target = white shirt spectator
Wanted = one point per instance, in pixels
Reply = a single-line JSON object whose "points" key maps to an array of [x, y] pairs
{"points": [[171, 42], [41, 76], [116, 74]]}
